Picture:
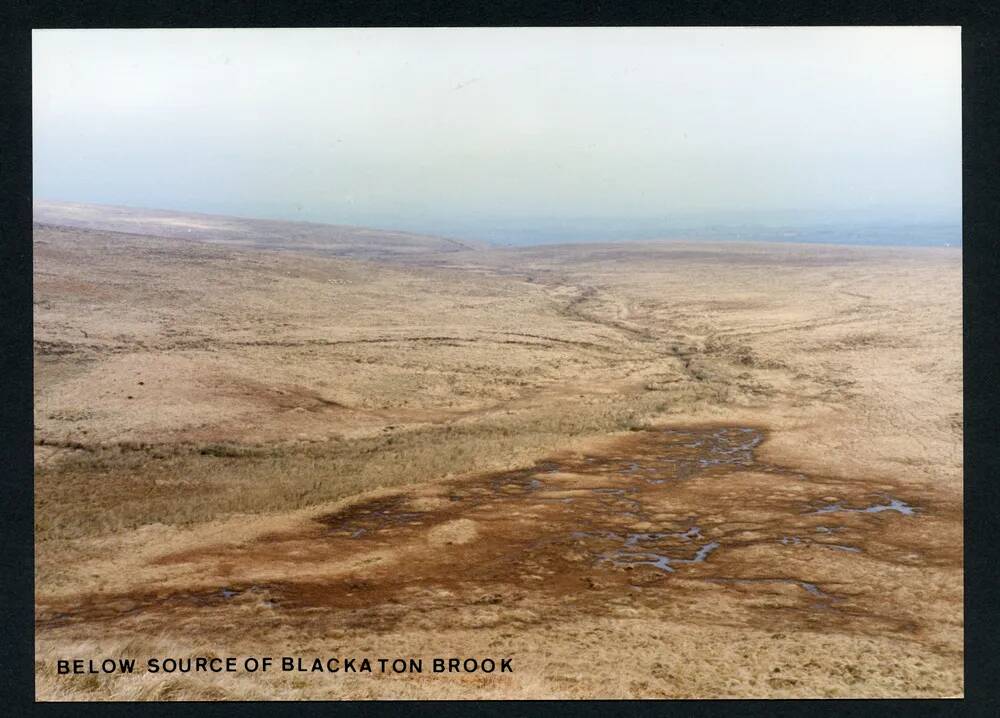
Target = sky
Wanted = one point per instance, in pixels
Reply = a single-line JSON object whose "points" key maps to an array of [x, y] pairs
{"points": [[471, 131]]}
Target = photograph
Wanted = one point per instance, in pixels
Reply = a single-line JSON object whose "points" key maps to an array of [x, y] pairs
{"points": [[497, 363]]}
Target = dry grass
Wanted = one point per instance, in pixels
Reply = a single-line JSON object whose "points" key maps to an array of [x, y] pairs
{"points": [[206, 402], [106, 490]]}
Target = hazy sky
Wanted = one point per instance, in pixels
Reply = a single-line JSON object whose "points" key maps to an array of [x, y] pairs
{"points": [[452, 127]]}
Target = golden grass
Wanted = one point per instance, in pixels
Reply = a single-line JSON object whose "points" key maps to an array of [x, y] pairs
{"points": [[179, 385], [121, 488]]}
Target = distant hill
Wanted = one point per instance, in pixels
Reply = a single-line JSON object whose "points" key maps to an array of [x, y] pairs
{"points": [[340, 240]]}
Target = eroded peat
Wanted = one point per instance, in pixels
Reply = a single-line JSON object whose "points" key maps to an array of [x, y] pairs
{"points": [[667, 521]]}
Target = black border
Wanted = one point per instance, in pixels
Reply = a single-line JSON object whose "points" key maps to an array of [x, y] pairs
{"points": [[981, 264]]}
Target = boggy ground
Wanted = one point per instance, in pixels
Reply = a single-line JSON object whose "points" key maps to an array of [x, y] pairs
{"points": [[666, 529], [639, 471]]}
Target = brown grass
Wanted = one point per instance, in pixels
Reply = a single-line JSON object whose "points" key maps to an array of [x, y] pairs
{"points": [[111, 489], [200, 407]]}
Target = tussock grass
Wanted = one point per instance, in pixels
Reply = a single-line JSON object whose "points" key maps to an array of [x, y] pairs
{"points": [[110, 490]]}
